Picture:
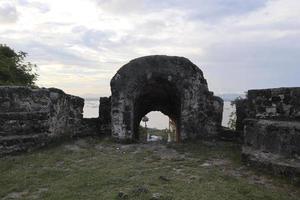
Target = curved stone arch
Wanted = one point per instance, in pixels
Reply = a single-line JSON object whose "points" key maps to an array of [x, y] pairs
{"points": [[173, 85]]}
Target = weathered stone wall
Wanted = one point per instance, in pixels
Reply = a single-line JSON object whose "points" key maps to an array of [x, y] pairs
{"points": [[277, 137], [89, 127], [105, 115], [170, 84], [32, 117], [271, 122], [241, 106], [277, 103]]}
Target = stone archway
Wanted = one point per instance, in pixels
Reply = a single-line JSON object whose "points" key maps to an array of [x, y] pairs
{"points": [[172, 85]]}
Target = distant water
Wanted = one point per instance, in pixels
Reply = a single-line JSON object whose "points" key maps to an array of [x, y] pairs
{"points": [[91, 108], [156, 119], [227, 110]]}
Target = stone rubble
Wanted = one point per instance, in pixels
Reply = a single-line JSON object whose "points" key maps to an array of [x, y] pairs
{"points": [[270, 120]]}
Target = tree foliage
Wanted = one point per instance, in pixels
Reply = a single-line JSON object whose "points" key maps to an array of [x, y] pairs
{"points": [[233, 116], [232, 120], [13, 68]]}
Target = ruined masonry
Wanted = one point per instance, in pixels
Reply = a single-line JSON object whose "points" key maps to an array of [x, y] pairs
{"points": [[172, 85], [270, 120], [31, 117]]}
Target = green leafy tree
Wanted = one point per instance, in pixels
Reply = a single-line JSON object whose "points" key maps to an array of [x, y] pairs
{"points": [[13, 68], [232, 120], [232, 117]]}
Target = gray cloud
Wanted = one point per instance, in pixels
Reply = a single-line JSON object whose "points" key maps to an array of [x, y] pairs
{"points": [[196, 9], [42, 7], [238, 44], [208, 10], [121, 7], [52, 54], [8, 13], [239, 65], [96, 38], [263, 52]]}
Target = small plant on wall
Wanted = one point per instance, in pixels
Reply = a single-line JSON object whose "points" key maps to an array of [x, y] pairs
{"points": [[233, 116]]}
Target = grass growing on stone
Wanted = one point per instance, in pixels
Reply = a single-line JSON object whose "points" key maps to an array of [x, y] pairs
{"points": [[100, 169]]}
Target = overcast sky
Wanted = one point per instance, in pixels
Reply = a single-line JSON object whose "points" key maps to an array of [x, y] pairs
{"points": [[79, 45]]}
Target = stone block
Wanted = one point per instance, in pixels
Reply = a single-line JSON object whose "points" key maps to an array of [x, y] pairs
{"points": [[278, 137], [273, 146], [32, 115]]}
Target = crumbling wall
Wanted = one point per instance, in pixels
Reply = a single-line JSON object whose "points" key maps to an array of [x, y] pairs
{"points": [[89, 127], [173, 85], [272, 136], [241, 106], [277, 103], [105, 115], [33, 117], [271, 123]]}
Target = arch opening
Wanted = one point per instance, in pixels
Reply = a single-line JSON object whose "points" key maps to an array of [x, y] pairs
{"points": [[157, 127], [173, 85], [157, 95]]}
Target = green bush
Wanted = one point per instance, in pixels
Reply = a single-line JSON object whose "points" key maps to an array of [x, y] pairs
{"points": [[13, 68]]}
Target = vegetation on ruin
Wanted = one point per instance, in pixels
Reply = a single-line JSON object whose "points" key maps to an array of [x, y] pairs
{"points": [[233, 117], [13, 68], [232, 120], [153, 131], [101, 169]]}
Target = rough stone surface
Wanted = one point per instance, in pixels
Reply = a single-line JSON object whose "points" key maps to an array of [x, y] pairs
{"points": [[89, 127], [172, 85], [272, 163], [227, 134], [31, 117], [105, 115], [276, 103], [241, 113], [270, 119], [278, 137]]}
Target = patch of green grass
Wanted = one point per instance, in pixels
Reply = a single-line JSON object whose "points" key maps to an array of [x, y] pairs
{"points": [[154, 132], [100, 169]]}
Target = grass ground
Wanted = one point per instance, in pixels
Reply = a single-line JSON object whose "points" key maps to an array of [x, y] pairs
{"points": [[157, 132], [100, 169]]}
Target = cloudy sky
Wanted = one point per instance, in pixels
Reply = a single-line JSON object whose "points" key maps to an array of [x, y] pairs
{"points": [[79, 45]]}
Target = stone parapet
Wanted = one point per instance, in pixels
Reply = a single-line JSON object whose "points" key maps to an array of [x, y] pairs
{"points": [[270, 120], [32, 117], [273, 146], [278, 137]]}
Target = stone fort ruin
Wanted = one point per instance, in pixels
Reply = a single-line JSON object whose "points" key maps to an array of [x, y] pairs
{"points": [[268, 121], [172, 85]]}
